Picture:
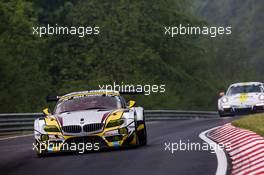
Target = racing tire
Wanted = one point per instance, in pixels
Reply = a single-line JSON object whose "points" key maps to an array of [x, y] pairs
{"points": [[226, 115], [222, 115], [142, 134], [41, 155], [38, 153]]}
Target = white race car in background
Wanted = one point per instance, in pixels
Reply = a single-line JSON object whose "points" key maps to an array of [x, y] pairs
{"points": [[241, 98]]}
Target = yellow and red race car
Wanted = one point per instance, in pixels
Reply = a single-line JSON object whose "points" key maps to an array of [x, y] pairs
{"points": [[89, 121]]}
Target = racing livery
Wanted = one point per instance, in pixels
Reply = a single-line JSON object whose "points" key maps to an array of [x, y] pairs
{"points": [[242, 97], [100, 118]]}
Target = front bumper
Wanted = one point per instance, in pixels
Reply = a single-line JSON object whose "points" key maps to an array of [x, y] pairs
{"points": [[94, 142], [245, 109]]}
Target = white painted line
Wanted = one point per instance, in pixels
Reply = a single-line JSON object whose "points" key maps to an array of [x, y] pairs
{"points": [[14, 137], [220, 154]]}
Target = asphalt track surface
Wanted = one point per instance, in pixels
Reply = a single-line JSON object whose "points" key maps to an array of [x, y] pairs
{"points": [[17, 157]]}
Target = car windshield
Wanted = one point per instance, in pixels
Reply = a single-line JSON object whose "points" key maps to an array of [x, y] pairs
{"points": [[89, 103], [244, 89]]}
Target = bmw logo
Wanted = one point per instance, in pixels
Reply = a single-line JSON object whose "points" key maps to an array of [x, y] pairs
{"points": [[82, 121]]}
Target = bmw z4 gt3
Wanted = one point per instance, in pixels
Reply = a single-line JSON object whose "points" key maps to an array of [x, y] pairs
{"points": [[241, 98], [90, 120]]}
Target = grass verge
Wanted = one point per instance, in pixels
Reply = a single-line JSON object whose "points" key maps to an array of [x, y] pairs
{"points": [[254, 123]]}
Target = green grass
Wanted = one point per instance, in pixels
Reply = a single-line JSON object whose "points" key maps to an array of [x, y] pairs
{"points": [[254, 123]]}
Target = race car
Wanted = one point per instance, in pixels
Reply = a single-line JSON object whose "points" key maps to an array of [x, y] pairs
{"points": [[242, 98], [89, 121]]}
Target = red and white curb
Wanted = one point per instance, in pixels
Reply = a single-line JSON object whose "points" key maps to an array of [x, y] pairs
{"points": [[245, 148]]}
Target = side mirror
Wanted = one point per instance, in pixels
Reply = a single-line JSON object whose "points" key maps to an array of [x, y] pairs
{"points": [[131, 103], [46, 111], [221, 94]]}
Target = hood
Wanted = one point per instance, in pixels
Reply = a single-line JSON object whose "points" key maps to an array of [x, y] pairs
{"points": [[82, 117], [246, 98]]}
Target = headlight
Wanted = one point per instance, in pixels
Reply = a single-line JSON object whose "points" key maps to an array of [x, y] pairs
{"points": [[123, 131], [44, 137], [51, 128], [114, 123], [261, 97], [224, 100]]}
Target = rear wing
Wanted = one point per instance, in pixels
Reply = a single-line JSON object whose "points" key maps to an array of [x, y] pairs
{"points": [[52, 98], [55, 98], [131, 92]]}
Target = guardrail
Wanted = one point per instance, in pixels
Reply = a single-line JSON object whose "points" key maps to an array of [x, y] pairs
{"points": [[17, 122], [159, 115]]}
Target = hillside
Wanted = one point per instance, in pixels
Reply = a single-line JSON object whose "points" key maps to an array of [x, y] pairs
{"points": [[130, 49], [246, 18]]}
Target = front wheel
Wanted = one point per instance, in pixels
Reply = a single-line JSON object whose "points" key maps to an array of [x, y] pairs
{"points": [[221, 114], [142, 133], [38, 148]]}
